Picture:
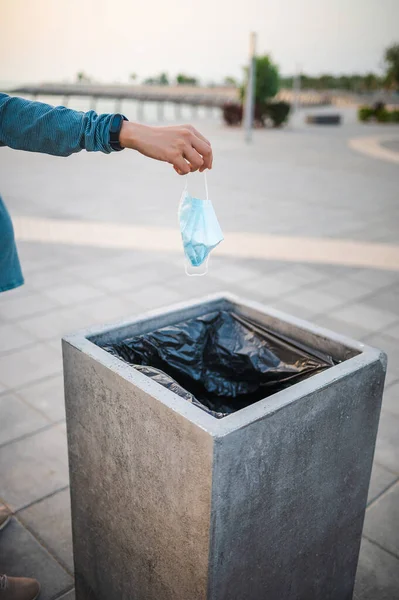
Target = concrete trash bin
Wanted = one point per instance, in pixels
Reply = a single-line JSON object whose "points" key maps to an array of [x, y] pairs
{"points": [[170, 503]]}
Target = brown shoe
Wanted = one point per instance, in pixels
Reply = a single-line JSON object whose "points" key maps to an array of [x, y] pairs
{"points": [[18, 588], [4, 517]]}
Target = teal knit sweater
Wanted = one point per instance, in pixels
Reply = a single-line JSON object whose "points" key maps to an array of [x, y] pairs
{"points": [[39, 127]]}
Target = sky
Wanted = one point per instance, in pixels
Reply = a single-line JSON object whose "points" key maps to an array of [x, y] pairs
{"points": [[51, 40]]}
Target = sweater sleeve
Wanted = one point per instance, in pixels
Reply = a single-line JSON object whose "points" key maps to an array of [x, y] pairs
{"points": [[39, 127]]}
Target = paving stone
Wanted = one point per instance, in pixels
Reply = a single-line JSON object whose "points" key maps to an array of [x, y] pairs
{"points": [[387, 447], [302, 312], [49, 278], [28, 365], [130, 260], [110, 308], [47, 396], [232, 273], [115, 284], [254, 295], [390, 346], [347, 289], [382, 519], [377, 576], [334, 271], [385, 300], [381, 480], [309, 275], [13, 337], [273, 285], [23, 291], [393, 331], [348, 329], [50, 521], [198, 287], [25, 306], [171, 270], [263, 266], [88, 255], [91, 272], [365, 316], [34, 467], [390, 401], [375, 277], [154, 296], [315, 301], [56, 346], [390, 379], [36, 257], [17, 419], [56, 323], [300, 276], [75, 293], [30, 267], [143, 276], [21, 555]]}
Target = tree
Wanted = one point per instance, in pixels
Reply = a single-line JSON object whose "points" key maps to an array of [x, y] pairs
{"points": [[133, 76], [81, 77], [161, 79], [230, 81], [267, 81], [287, 82], [392, 61], [186, 79], [371, 82]]}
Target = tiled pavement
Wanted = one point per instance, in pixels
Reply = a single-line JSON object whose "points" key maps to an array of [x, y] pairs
{"points": [[69, 287], [33, 462]]}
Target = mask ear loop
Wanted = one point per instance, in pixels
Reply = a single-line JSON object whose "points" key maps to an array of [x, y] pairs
{"points": [[206, 186], [205, 182]]}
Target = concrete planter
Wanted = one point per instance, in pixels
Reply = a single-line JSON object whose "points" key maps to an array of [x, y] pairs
{"points": [[169, 503]]}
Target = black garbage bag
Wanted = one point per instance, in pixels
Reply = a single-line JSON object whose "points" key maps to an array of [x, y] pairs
{"points": [[221, 361]]}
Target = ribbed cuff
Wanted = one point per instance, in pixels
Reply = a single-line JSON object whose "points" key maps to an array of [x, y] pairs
{"points": [[96, 132]]}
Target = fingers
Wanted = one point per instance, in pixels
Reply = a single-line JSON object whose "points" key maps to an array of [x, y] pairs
{"points": [[198, 134], [205, 150], [181, 166], [196, 161], [192, 151], [178, 171]]}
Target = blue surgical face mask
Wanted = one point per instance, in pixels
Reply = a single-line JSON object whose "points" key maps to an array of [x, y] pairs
{"points": [[200, 231]]}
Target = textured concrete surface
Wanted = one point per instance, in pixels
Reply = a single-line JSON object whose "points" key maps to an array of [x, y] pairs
{"points": [[293, 488], [140, 486], [295, 182], [282, 474]]}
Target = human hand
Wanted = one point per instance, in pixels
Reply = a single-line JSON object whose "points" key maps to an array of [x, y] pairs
{"points": [[182, 146]]}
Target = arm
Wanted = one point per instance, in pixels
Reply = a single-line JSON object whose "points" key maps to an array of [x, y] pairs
{"points": [[39, 127]]}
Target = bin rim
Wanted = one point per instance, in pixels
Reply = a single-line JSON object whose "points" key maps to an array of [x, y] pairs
{"points": [[362, 356]]}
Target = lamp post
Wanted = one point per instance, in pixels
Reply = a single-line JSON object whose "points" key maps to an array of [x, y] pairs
{"points": [[296, 89], [249, 108]]}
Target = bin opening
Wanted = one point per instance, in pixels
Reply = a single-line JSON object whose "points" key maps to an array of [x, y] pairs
{"points": [[222, 361]]}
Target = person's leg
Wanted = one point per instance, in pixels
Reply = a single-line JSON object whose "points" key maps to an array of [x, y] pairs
{"points": [[16, 588]]}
